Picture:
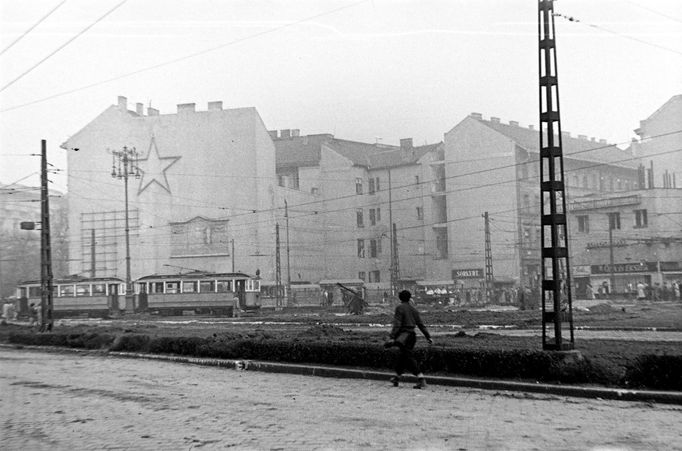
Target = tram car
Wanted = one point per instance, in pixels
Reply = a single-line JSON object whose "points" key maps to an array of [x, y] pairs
{"points": [[198, 293], [76, 297], [301, 294]]}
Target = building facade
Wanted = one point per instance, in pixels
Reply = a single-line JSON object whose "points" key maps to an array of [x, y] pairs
{"points": [[621, 239], [201, 194], [493, 167]]}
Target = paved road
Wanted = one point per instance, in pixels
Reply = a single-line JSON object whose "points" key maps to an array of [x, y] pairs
{"points": [[66, 401]]}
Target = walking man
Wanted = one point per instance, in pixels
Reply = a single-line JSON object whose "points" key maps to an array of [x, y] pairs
{"points": [[403, 335]]}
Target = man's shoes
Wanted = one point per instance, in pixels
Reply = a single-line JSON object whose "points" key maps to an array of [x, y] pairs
{"points": [[421, 383], [395, 381]]}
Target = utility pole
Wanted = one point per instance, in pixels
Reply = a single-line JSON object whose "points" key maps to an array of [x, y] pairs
{"points": [[232, 252], [489, 279], [93, 263], [286, 215], [557, 305], [392, 268], [45, 247], [127, 159], [278, 271], [612, 220]]}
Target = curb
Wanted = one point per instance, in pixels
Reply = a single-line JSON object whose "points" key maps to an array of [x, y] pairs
{"points": [[662, 397]]}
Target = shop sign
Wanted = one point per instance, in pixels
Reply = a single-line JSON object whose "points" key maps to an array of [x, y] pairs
{"points": [[611, 202], [602, 244], [624, 268], [475, 273]]}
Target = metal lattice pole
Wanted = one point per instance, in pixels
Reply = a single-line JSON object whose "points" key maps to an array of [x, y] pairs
{"points": [[489, 278], [557, 303]]}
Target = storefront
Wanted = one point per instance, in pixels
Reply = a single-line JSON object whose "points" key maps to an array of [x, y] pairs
{"points": [[625, 277]]}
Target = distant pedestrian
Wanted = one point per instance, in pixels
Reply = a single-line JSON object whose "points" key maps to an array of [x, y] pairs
{"points": [[33, 313], [641, 294], [403, 335]]}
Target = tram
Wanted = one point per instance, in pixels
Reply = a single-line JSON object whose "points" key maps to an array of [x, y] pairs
{"points": [[73, 297], [198, 293]]}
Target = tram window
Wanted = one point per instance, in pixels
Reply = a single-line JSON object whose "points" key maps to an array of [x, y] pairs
{"points": [[22, 292], [189, 287], [34, 292], [65, 290], [172, 287], [207, 286], [142, 287], [253, 285], [156, 287], [83, 290], [98, 288], [224, 286]]}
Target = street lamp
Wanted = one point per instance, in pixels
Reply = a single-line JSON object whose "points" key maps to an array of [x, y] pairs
{"points": [[127, 159]]}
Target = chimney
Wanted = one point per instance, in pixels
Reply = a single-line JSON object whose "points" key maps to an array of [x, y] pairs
{"points": [[152, 111], [582, 136], [602, 141], [495, 120], [285, 134], [531, 127], [295, 133], [215, 106], [478, 116], [593, 139], [273, 134], [139, 109], [186, 107], [122, 103], [406, 144], [514, 123]]}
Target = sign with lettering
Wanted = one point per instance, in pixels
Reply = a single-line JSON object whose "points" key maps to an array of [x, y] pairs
{"points": [[602, 244], [475, 273], [609, 202], [624, 268]]}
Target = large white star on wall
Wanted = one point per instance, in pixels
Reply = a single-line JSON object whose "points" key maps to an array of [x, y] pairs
{"points": [[154, 169]]}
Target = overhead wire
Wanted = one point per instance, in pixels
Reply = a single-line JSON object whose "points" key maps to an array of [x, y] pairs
{"points": [[32, 27], [80, 33], [185, 57]]}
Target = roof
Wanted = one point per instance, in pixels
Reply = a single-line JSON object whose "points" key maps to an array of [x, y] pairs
{"points": [[574, 148], [301, 151]]}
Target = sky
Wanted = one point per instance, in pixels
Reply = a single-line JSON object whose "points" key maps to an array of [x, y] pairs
{"points": [[372, 70]]}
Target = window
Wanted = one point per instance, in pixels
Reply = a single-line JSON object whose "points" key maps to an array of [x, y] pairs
{"points": [[83, 290], [372, 216], [585, 181], [375, 248], [361, 248], [614, 221], [584, 224], [378, 214], [526, 201], [224, 286], [65, 290], [172, 287], [314, 191], [371, 186], [416, 180], [98, 288], [361, 275], [420, 213], [377, 186], [375, 276], [641, 220], [358, 215], [358, 185], [207, 286], [156, 287], [189, 287]]}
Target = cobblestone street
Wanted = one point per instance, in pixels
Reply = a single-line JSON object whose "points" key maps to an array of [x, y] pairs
{"points": [[67, 401]]}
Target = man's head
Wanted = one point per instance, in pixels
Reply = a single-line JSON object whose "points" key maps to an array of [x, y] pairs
{"points": [[404, 296]]}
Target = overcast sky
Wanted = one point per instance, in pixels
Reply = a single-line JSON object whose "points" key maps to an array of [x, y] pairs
{"points": [[362, 70]]}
